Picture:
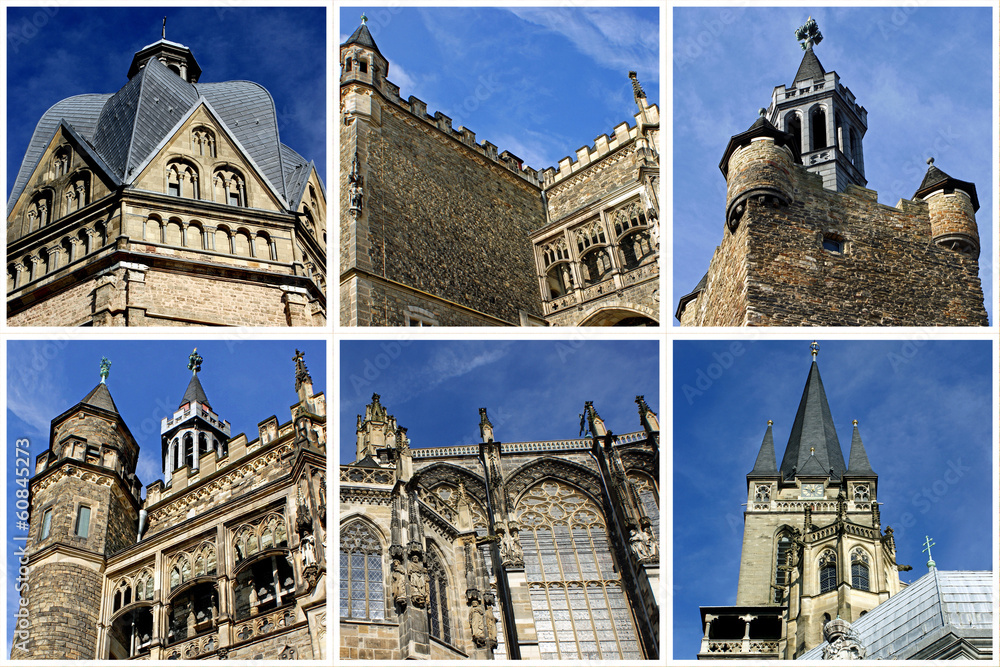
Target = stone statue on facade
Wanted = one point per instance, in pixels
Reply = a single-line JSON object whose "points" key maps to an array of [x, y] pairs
{"points": [[477, 622], [307, 549], [491, 622], [356, 182], [639, 544], [398, 581], [419, 586]]}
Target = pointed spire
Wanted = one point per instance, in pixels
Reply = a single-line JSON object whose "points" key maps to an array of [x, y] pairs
{"points": [[765, 463], [194, 392], [813, 441], [301, 372], [857, 463], [936, 179], [810, 68], [100, 397], [363, 37]]}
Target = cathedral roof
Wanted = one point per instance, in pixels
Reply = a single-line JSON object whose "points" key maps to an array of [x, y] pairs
{"points": [[100, 397], [363, 37], [765, 463], [810, 68], [813, 447], [195, 393], [857, 463], [935, 179], [126, 128], [941, 603]]}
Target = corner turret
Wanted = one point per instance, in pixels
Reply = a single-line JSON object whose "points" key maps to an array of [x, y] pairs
{"points": [[953, 205], [360, 59]]}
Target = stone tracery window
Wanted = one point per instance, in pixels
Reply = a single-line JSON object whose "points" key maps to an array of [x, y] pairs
{"points": [[182, 179], [827, 571], [859, 570], [781, 575], [362, 581], [861, 493], [269, 532], [197, 562], [589, 235], [203, 141], [555, 251], [437, 609], [629, 216], [229, 187], [649, 497], [578, 603]]}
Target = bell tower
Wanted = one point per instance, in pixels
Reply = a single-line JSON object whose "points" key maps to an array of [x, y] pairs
{"points": [[813, 545], [85, 500], [823, 116]]}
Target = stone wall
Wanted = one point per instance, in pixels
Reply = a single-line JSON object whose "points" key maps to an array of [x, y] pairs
{"points": [[63, 603], [596, 181], [774, 271], [367, 301], [365, 640], [445, 220]]}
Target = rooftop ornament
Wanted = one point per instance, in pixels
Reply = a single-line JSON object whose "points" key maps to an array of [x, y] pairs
{"points": [[808, 34], [105, 369], [194, 362], [814, 348]]}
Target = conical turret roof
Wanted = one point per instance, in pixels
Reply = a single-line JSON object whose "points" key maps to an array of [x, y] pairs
{"points": [[765, 463], [100, 397], [195, 393], [363, 37], [936, 179], [810, 68], [858, 461], [813, 447]]}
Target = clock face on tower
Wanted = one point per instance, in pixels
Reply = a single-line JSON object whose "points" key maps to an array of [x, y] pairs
{"points": [[812, 490]]}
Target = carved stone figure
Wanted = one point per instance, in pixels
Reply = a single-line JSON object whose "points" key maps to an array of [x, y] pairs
{"points": [[491, 623], [477, 622], [638, 544], [652, 545], [307, 549], [419, 586], [398, 581], [842, 642]]}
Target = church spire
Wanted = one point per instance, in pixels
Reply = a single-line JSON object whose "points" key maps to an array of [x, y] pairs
{"points": [[858, 461], [765, 463], [813, 445]]}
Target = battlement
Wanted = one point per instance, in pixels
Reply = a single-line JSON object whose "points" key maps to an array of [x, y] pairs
{"points": [[603, 145]]}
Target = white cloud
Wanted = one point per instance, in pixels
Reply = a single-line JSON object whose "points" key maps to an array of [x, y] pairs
{"points": [[33, 386], [401, 78]]}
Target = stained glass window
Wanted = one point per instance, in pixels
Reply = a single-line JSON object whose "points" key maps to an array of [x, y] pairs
{"points": [[438, 606], [362, 587], [859, 570], [577, 601], [827, 572]]}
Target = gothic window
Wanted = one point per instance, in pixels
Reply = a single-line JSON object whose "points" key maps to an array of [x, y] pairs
{"points": [[437, 608], [264, 584], [268, 533], [555, 251], [595, 266], [827, 571], [192, 611], [592, 234], [578, 603], [61, 161], [635, 248], [817, 121], [203, 141], [197, 562], [629, 216], [188, 450], [46, 524], [182, 179], [855, 148], [39, 211], [645, 487], [861, 493], [130, 634], [762, 494], [781, 574], [559, 280], [859, 570], [362, 587], [230, 187], [793, 125], [82, 527]]}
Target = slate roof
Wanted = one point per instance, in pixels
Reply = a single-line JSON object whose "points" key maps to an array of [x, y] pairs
{"points": [[126, 127], [100, 397], [810, 68], [762, 127], [857, 463], [690, 295], [363, 37], [935, 179], [960, 602], [194, 392], [813, 429], [765, 463]]}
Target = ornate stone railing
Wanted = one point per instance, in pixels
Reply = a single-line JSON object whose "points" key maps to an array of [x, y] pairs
{"points": [[439, 506], [594, 291], [560, 303], [641, 273], [193, 648], [521, 447], [265, 624], [366, 475], [744, 647], [800, 505]]}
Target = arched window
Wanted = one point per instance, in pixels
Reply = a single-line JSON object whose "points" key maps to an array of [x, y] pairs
{"points": [[859, 570], [438, 606], [817, 122], [39, 211], [781, 574], [152, 230], [203, 141], [635, 248], [242, 243], [100, 235], [229, 187], [43, 261], [223, 240], [577, 600], [628, 217], [827, 571], [855, 147], [182, 179], [362, 585], [86, 244], [595, 266], [559, 280], [67, 251], [793, 125], [61, 161], [188, 451]]}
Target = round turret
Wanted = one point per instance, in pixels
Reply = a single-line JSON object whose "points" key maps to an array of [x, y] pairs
{"points": [[758, 164], [953, 205]]}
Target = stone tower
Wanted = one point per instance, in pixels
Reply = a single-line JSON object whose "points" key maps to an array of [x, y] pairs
{"points": [[807, 244], [194, 430], [85, 502], [823, 117], [813, 547]]}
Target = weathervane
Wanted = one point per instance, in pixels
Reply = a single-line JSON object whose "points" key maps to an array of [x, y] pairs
{"points": [[809, 35], [814, 348], [194, 362], [928, 542], [105, 369]]}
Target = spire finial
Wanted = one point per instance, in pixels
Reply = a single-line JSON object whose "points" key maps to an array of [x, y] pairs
{"points": [[194, 362], [928, 543], [301, 372], [930, 161], [105, 369], [164, 33], [814, 348], [364, 18], [761, 111], [770, 423], [809, 34], [855, 422], [637, 90]]}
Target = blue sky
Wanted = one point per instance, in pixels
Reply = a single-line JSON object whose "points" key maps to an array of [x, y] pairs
{"points": [[245, 381], [924, 75], [533, 390], [923, 407], [538, 82], [55, 53]]}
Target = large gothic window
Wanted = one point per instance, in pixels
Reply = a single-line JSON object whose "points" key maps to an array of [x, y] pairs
{"points": [[781, 573], [438, 607], [577, 600], [859, 570], [827, 572], [362, 587]]}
